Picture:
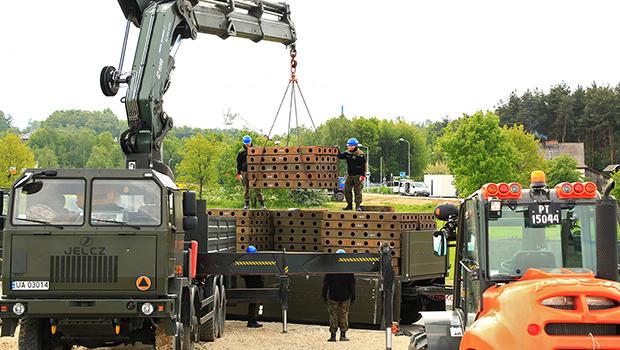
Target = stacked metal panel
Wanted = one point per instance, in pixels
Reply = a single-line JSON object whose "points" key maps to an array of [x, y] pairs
{"points": [[253, 227], [366, 232], [297, 230], [306, 167]]}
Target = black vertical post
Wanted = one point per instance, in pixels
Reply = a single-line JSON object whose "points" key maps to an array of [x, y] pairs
{"points": [[284, 282], [387, 274], [606, 239]]}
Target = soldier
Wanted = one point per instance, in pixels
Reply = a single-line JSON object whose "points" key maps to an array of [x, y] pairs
{"points": [[339, 294], [242, 174], [253, 281], [356, 168]]}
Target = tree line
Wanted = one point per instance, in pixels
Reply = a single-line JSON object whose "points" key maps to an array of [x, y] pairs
{"points": [[500, 145]]}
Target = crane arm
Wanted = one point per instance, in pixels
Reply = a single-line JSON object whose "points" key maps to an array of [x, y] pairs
{"points": [[163, 25]]}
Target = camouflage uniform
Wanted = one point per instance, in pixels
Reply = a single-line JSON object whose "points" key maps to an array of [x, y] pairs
{"points": [[353, 184], [338, 315], [242, 169], [356, 167]]}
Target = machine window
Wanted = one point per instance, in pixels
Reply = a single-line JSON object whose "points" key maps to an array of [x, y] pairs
{"points": [[49, 202], [126, 202], [518, 242]]}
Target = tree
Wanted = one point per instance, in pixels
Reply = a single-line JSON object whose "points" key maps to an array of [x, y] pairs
{"points": [[438, 168], [6, 122], [15, 156], [105, 153], [478, 152], [45, 157], [198, 167], [562, 168], [529, 157]]}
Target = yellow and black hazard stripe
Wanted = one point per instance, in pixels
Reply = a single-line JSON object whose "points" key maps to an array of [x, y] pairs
{"points": [[255, 263], [356, 260], [286, 269]]}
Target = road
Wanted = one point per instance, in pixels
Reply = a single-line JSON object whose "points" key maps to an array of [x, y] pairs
{"points": [[270, 337]]}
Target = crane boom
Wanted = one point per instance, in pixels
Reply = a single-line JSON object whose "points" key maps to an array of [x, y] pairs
{"points": [[163, 24]]}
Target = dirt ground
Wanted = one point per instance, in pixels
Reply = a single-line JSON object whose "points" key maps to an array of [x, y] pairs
{"points": [[307, 337], [387, 199]]}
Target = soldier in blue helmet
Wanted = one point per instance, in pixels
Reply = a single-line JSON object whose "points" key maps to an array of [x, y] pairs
{"points": [[242, 174], [253, 281], [339, 294], [356, 170]]}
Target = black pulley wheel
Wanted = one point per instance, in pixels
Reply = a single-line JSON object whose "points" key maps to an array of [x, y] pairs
{"points": [[109, 86]]}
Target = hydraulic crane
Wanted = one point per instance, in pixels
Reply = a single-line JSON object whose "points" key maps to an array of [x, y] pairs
{"points": [[163, 25]]}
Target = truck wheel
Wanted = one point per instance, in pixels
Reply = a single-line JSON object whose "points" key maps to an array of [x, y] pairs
{"points": [[339, 197], [32, 336], [410, 311], [208, 331], [222, 320]]}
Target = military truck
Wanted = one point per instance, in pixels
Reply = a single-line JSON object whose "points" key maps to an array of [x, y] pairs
{"points": [[535, 268], [98, 258]]}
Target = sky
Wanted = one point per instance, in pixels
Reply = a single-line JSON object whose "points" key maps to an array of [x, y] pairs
{"points": [[416, 59]]}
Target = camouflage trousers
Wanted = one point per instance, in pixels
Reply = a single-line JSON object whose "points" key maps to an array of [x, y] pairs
{"points": [[338, 315], [353, 184], [246, 188]]}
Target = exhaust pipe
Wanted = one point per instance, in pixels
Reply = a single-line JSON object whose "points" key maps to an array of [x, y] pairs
{"points": [[607, 236]]}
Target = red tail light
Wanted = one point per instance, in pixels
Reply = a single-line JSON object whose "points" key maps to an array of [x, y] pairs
{"points": [[193, 260], [502, 190], [575, 190]]}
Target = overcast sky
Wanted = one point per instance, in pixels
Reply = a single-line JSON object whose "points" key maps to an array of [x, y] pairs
{"points": [[416, 59]]}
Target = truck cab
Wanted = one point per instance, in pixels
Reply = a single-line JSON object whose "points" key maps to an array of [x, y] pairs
{"points": [[96, 257], [534, 268]]}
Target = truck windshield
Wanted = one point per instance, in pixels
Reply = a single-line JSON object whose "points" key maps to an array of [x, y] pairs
{"points": [[519, 240], [49, 202], [126, 202]]}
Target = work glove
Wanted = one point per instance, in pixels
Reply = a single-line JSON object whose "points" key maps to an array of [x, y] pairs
{"points": [[362, 178], [239, 177]]}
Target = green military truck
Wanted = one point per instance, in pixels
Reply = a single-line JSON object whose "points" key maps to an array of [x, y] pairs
{"points": [[100, 258]]}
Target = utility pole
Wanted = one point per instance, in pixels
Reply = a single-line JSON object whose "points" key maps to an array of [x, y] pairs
{"points": [[408, 156]]}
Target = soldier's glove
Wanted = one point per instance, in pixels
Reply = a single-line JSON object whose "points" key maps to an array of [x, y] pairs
{"points": [[362, 178], [239, 177]]}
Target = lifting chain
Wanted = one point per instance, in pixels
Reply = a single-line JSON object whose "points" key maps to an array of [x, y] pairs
{"points": [[293, 64]]}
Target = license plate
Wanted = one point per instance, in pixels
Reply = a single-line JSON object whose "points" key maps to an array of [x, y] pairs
{"points": [[30, 285], [545, 214]]}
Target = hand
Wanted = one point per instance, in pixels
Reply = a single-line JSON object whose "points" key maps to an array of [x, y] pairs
{"points": [[362, 178], [239, 177]]}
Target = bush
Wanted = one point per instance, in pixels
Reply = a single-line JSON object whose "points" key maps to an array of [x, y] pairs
{"points": [[379, 189], [308, 198]]}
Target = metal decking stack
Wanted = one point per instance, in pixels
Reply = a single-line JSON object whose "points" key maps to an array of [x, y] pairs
{"points": [[253, 227], [297, 230], [366, 232], [311, 230], [307, 167]]}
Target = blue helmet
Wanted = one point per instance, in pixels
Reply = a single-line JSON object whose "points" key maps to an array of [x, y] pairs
{"points": [[340, 251], [251, 249], [352, 142], [247, 139]]}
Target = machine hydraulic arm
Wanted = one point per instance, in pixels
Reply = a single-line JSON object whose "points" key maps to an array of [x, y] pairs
{"points": [[163, 25]]}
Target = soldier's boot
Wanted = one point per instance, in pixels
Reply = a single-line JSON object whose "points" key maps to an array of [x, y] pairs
{"points": [[358, 207], [332, 338], [343, 336], [246, 205], [262, 205], [348, 207]]}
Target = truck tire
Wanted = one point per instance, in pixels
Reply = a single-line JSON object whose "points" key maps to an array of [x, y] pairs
{"points": [[222, 322], [410, 310], [208, 331], [33, 335]]}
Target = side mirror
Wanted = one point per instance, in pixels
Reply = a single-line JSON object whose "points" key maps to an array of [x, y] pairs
{"points": [[190, 223], [189, 203], [444, 212], [440, 244]]}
